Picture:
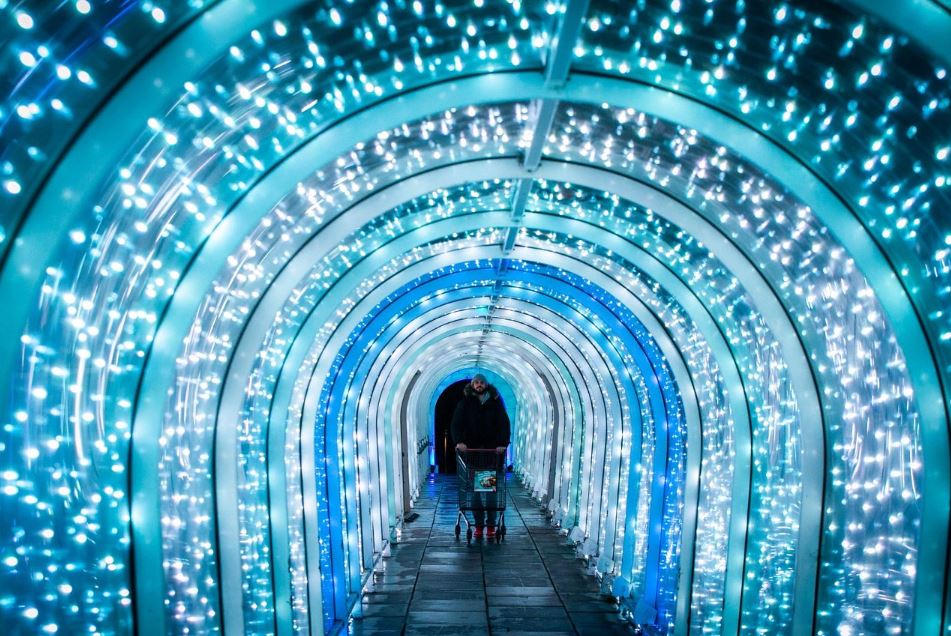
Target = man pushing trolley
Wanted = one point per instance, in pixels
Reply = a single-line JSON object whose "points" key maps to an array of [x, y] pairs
{"points": [[481, 429]]}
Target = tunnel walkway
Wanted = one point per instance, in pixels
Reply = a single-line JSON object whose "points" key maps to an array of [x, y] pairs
{"points": [[531, 583]]}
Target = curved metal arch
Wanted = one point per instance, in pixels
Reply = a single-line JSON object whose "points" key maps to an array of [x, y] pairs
{"points": [[889, 289], [655, 100], [551, 399], [322, 369], [795, 189], [676, 213], [288, 269], [771, 308], [673, 355], [586, 89], [548, 370], [417, 347], [711, 332], [508, 329], [351, 391], [206, 38], [443, 300], [860, 258], [931, 432], [580, 407], [565, 399], [389, 317], [450, 324], [426, 299], [667, 207], [424, 387], [491, 359], [501, 318], [527, 390]]}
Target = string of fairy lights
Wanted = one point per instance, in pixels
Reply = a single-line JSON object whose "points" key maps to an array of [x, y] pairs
{"points": [[858, 102], [863, 106], [274, 346], [59, 62], [752, 200], [528, 447]]}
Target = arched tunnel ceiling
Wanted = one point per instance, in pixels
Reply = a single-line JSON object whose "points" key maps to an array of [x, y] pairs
{"points": [[706, 243]]}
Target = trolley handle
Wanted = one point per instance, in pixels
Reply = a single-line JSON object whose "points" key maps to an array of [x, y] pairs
{"points": [[463, 457]]}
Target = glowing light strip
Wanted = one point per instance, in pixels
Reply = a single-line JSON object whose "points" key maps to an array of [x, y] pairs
{"points": [[635, 191], [440, 335], [111, 133], [318, 373]]}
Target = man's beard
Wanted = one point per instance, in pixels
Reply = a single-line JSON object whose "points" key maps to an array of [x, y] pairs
{"points": [[480, 389]]}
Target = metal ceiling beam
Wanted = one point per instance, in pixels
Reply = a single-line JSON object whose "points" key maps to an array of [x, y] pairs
{"points": [[558, 60], [542, 115]]}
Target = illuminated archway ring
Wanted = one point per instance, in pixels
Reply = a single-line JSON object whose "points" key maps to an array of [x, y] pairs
{"points": [[563, 398], [554, 391], [539, 307], [305, 336], [729, 132], [544, 313], [555, 366], [772, 310], [321, 372], [522, 353], [305, 340], [739, 517]]}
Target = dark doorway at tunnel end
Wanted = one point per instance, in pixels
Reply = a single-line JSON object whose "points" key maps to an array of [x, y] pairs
{"points": [[445, 406]]}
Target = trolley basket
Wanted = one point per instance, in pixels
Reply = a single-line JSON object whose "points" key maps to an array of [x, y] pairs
{"points": [[481, 473]]}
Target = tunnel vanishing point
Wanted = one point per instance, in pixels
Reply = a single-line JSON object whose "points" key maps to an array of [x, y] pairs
{"points": [[703, 248]]}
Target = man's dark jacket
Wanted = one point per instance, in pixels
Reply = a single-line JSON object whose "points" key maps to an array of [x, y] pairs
{"points": [[479, 425]]}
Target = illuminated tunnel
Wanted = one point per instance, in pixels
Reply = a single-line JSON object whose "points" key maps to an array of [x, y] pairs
{"points": [[702, 247]]}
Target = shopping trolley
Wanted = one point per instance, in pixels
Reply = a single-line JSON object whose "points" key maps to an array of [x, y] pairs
{"points": [[481, 481]]}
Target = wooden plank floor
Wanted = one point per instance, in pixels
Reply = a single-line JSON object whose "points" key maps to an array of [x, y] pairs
{"points": [[532, 583]]}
